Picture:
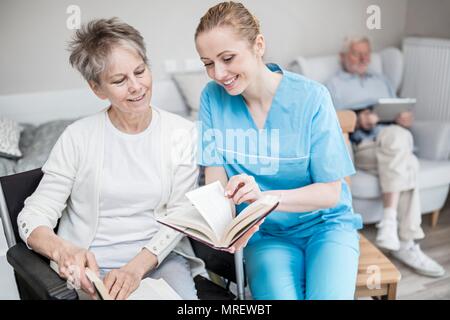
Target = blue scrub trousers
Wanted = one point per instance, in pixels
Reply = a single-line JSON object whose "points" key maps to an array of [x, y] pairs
{"points": [[322, 266]]}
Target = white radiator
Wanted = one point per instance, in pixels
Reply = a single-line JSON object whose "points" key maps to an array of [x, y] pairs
{"points": [[427, 77]]}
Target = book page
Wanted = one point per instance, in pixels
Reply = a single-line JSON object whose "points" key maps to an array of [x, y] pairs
{"points": [[193, 220], [154, 289], [99, 286], [149, 289], [238, 231], [212, 204], [201, 237], [255, 209], [253, 212]]}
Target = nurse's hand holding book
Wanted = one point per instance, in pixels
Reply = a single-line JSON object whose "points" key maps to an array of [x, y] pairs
{"points": [[243, 188]]}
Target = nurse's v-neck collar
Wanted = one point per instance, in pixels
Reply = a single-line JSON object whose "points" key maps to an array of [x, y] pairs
{"points": [[274, 68]]}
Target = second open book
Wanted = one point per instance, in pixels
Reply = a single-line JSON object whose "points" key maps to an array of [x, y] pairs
{"points": [[149, 289], [210, 220]]}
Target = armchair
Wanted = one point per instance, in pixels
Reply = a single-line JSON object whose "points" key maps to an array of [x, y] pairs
{"points": [[430, 138]]}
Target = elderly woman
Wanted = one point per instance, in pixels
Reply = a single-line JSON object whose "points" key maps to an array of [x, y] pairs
{"points": [[110, 175]]}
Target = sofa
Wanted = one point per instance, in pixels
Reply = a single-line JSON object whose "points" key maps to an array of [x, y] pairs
{"points": [[431, 139]]}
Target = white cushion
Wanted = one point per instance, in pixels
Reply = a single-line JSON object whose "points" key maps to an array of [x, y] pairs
{"points": [[392, 60], [388, 62], [9, 138], [167, 97], [432, 174], [191, 85]]}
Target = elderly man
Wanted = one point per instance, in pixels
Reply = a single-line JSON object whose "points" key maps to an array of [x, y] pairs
{"points": [[385, 150]]}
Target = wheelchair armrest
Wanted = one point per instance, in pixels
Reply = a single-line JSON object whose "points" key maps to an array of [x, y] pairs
{"points": [[431, 139], [208, 290], [38, 275]]}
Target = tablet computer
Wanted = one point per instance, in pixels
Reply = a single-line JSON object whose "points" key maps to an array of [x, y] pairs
{"points": [[388, 109]]}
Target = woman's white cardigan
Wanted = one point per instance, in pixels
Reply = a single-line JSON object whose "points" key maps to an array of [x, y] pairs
{"points": [[69, 189]]}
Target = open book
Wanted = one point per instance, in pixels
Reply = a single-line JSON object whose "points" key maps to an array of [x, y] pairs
{"points": [[210, 219], [388, 109], [149, 289]]}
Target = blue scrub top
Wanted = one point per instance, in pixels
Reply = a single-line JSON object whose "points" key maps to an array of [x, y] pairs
{"points": [[301, 143]]}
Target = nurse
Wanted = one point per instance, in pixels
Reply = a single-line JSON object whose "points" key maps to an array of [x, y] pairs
{"points": [[264, 130]]}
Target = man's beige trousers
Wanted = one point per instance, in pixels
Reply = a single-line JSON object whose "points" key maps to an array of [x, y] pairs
{"points": [[391, 158]]}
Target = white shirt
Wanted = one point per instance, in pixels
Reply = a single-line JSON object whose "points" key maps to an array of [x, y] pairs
{"points": [[130, 190], [69, 191]]}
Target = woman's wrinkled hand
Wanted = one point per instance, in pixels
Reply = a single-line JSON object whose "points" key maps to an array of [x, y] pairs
{"points": [[120, 283], [72, 262]]}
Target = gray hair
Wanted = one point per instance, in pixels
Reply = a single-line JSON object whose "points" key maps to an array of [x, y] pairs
{"points": [[92, 44], [349, 41]]}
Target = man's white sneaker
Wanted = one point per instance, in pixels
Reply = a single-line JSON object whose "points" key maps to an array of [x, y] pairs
{"points": [[419, 261], [387, 236]]}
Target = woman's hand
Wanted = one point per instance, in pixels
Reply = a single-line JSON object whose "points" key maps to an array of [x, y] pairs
{"points": [[242, 188], [120, 283], [72, 262]]}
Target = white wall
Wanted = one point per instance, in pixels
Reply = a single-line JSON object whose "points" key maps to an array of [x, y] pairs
{"points": [[429, 18], [33, 34]]}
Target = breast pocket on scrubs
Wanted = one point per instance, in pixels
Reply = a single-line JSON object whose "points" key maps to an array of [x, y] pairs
{"points": [[292, 163]]}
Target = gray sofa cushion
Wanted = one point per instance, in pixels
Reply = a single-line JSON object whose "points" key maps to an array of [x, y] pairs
{"points": [[27, 136], [432, 174], [9, 138], [38, 142], [7, 166]]}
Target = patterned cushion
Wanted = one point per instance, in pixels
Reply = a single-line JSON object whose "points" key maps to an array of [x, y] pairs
{"points": [[37, 150], [9, 138]]}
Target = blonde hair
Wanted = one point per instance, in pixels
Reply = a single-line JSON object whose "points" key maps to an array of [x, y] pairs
{"points": [[93, 42], [349, 41], [232, 14]]}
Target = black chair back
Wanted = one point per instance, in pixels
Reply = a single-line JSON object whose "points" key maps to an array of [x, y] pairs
{"points": [[16, 188], [219, 262]]}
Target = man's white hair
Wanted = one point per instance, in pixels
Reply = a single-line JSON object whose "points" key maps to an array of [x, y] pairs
{"points": [[349, 41]]}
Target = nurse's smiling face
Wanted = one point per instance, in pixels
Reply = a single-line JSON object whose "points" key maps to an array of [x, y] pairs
{"points": [[229, 59]]}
